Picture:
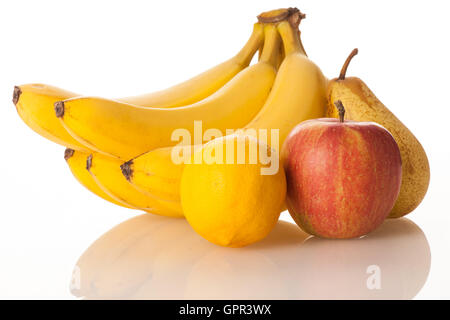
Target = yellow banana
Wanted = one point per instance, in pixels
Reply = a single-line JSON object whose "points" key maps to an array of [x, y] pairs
{"points": [[155, 173], [299, 91], [77, 164], [34, 102], [298, 94], [107, 174], [204, 84], [126, 130]]}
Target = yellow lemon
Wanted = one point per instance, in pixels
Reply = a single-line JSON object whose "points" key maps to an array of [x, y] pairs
{"points": [[233, 190]]}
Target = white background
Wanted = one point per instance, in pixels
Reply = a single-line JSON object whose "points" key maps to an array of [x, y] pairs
{"points": [[118, 48]]}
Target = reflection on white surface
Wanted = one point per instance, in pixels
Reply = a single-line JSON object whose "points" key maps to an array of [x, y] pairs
{"points": [[151, 257]]}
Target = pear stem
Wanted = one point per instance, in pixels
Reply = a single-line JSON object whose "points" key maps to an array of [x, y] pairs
{"points": [[346, 63], [341, 110]]}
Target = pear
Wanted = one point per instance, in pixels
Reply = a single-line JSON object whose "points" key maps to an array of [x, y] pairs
{"points": [[361, 104]]}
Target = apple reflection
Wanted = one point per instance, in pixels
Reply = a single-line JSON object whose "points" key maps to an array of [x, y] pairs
{"points": [[152, 257], [393, 262]]}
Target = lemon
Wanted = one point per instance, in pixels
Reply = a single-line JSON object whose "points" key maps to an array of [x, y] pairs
{"points": [[225, 196]]}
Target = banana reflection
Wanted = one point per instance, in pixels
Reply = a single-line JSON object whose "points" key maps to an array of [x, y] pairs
{"points": [[151, 257]]}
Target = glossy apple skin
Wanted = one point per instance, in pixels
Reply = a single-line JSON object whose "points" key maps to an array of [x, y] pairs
{"points": [[343, 178]]}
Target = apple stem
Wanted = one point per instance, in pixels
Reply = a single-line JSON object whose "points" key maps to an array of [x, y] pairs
{"points": [[341, 110], [346, 63]]}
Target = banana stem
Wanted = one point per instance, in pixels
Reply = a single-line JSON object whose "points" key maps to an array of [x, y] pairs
{"points": [[245, 56], [271, 45], [277, 15], [346, 63], [291, 38]]}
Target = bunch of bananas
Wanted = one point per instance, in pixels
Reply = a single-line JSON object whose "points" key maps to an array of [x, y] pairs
{"points": [[120, 149]]}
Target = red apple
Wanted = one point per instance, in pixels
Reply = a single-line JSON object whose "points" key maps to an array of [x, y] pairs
{"points": [[343, 177]]}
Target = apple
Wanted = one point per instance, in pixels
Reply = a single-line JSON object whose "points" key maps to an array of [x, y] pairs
{"points": [[343, 177]]}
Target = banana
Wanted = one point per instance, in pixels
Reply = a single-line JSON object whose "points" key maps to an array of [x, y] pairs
{"points": [[299, 91], [155, 173], [106, 173], [298, 94], [96, 181], [204, 84], [34, 102], [77, 164], [125, 130]]}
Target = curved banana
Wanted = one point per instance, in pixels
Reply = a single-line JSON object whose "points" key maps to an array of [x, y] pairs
{"points": [[125, 130], [34, 102], [108, 176], [299, 91], [204, 84], [155, 173], [77, 164], [298, 94]]}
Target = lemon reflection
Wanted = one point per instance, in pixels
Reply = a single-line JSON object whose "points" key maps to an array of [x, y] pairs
{"points": [[151, 257]]}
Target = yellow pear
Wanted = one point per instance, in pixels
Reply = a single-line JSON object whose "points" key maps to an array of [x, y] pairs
{"points": [[361, 104]]}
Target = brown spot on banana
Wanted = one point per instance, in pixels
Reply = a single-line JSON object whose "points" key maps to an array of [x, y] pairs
{"points": [[68, 153], [59, 108], [16, 95], [127, 169], [89, 162]]}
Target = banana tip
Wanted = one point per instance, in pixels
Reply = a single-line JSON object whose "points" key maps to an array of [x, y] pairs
{"points": [[127, 171], [59, 109], [16, 94], [68, 153], [89, 162]]}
